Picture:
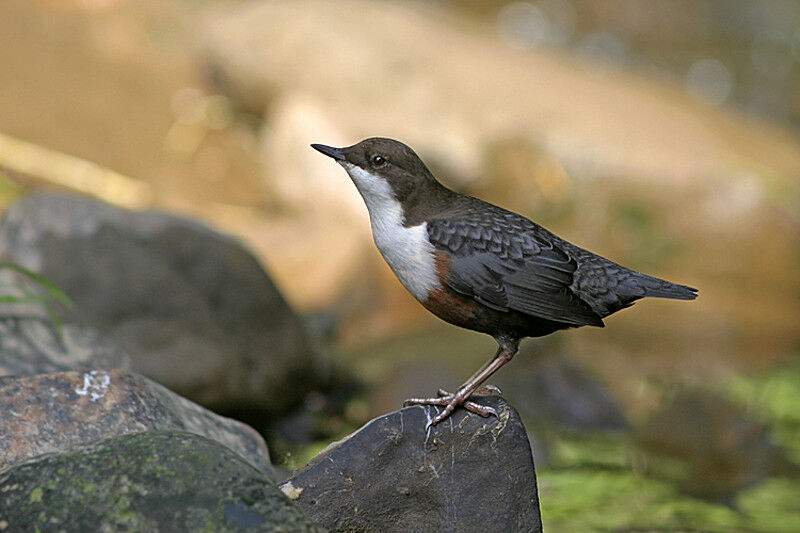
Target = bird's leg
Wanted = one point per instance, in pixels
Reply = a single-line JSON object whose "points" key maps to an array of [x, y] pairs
{"points": [[485, 390], [507, 350], [443, 396]]}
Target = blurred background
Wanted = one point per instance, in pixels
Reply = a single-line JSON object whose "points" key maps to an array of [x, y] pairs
{"points": [[663, 135]]}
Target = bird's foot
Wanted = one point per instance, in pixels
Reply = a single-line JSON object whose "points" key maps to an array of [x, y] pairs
{"points": [[450, 401]]}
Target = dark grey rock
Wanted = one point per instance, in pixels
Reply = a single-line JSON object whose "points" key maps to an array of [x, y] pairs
{"points": [[164, 481], [33, 345], [193, 309], [393, 475], [54, 412]]}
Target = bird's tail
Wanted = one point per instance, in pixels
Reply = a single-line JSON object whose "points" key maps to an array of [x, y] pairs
{"points": [[659, 288]]}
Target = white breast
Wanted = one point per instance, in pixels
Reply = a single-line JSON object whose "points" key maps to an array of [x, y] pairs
{"points": [[408, 251]]}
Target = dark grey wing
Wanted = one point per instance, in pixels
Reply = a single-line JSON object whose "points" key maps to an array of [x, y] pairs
{"points": [[502, 263]]}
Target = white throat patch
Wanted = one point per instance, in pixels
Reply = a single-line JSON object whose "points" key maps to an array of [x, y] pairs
{"points": [[407, 250]]}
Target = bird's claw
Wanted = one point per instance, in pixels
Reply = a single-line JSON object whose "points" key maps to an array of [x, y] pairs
{"points": [[483, 410], [450, 401]]}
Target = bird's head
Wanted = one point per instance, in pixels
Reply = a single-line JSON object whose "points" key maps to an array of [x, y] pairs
{"points": [[382, 169]]}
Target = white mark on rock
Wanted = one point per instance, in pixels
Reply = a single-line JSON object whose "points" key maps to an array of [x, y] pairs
{"points": [[452, 451], [291, 491], [95, 384], [427, 410]]}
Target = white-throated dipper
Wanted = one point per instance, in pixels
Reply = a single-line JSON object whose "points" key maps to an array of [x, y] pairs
{"points": [[479, 266]]}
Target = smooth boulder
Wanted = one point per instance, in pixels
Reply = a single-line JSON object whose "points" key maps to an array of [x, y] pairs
{"points": [[192, 307], [467, 473]]}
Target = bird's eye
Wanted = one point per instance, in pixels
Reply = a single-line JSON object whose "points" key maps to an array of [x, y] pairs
{"points": [[378, 160]]}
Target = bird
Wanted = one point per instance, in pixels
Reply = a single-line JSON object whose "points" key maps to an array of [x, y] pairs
{"points": [[481, 267]]}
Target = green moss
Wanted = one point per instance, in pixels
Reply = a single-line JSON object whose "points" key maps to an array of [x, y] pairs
{"points": [[192, 481], [89, 489], [594, 486], [299, 459], [774, 397], [36, 495], [773, 506], [776, 393], [597, 450], [597, 500]]}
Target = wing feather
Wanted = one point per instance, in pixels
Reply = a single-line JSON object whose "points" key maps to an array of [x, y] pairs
{"points": [[511, 270]]}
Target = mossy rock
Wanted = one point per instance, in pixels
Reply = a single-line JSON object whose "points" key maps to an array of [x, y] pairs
{"points": [[158, 481]]}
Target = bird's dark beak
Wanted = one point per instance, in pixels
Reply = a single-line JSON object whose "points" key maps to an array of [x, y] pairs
{"points": [[330, 151]]}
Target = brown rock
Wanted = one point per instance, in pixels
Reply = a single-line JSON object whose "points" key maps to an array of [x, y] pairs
{"points": [[53, 412]]}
